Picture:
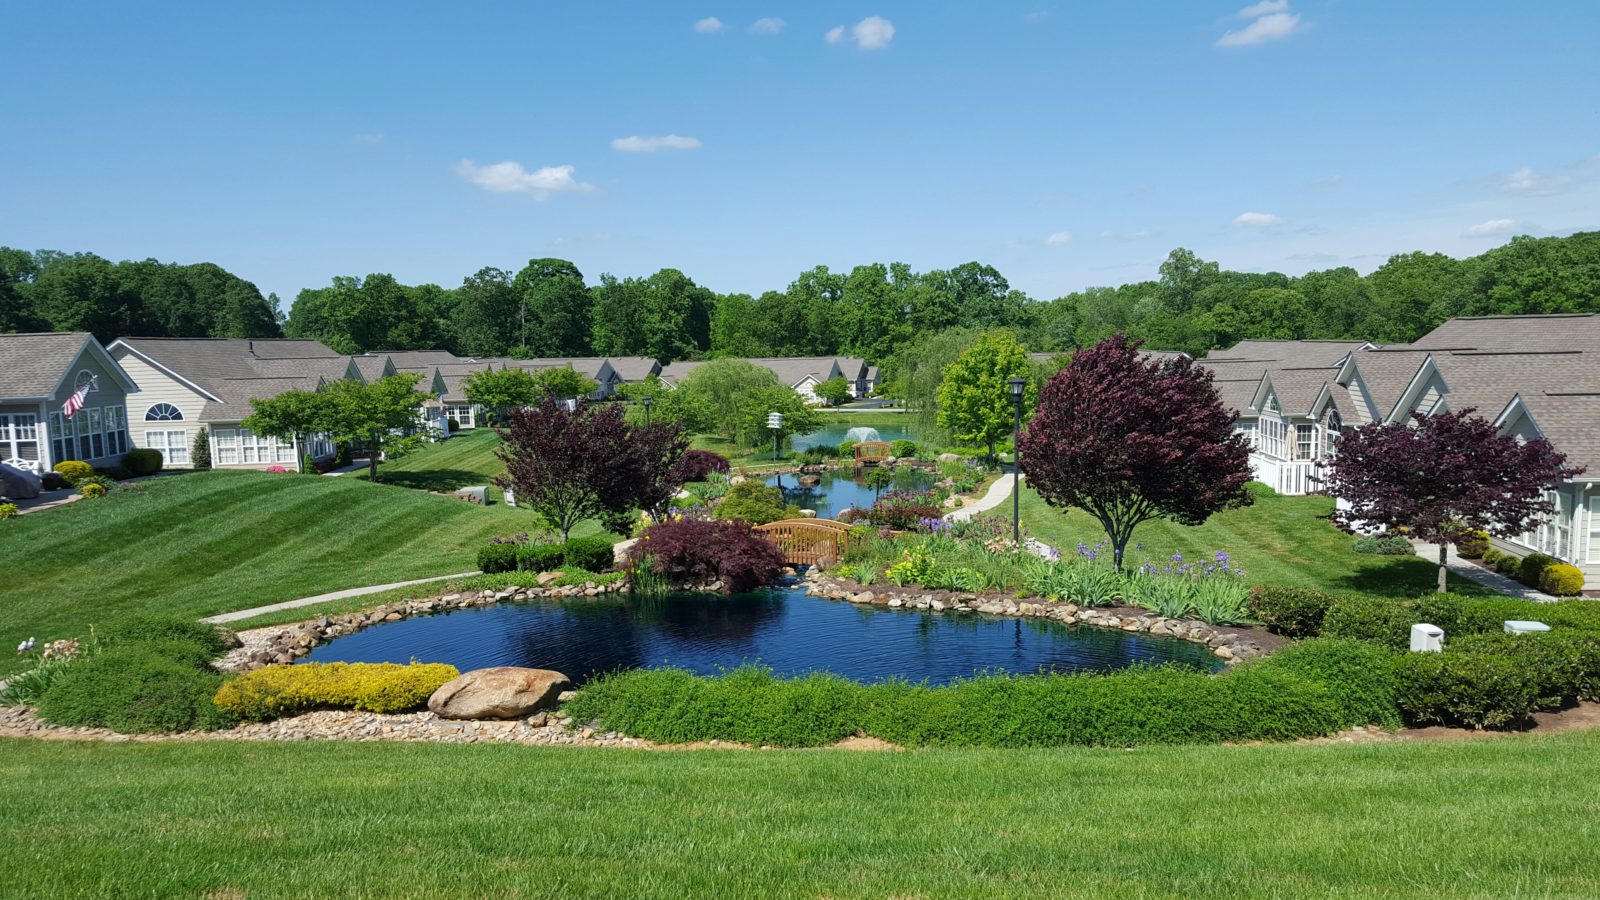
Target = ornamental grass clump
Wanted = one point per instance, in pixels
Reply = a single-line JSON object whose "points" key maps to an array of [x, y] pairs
{"points": [[694, 552], [369, 687]]}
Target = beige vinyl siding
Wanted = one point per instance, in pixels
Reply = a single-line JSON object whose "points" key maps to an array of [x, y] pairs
{"points": [[94, 424], [1361, 400], [156, 386], [1431, 399]]}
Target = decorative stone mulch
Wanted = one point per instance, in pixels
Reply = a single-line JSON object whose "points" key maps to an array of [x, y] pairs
{"points": [[1232, 645]]}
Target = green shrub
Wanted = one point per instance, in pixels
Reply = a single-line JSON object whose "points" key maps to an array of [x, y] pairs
{"points": [[592, 553], [1491, 557], [755, 503], [91, 490], [902, 449], [136, 688], [1290, 611], [74, 471], [370, 687], [1532, 567], [1476, 690], [846, 449], [142, 461], [1359, 673], [1140, 706], [9, 511], [1383, 545], [1509, 565], [1472, 544], [1561, 580], [497, 558], [1372, 619], [200, 450], [1565, 663], [147, 628], [533, 557]]}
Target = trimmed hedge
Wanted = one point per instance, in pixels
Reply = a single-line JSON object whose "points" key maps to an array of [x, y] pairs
{"points": [[1531, 568], [1562, 580], [1319, 690], [593, 554], [73, 471], [1473, 545], [1498, 680], [370, 687], [1289, 611], [142, 461]]}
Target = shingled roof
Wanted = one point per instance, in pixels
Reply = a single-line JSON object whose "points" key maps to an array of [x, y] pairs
{"points": [[233, 371], [33, 365], [1564, 331]]}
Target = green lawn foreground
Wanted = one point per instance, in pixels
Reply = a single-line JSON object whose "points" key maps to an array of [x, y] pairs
{"points": [[219, 541], [466, 459], [1279, 540], [1489, 818]]}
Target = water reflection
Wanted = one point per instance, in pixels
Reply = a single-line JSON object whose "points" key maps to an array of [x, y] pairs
{"points": [[838, 490], [784, 629]]}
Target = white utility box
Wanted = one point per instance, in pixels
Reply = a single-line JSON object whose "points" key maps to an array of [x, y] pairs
{"points": [[1517, 626], [1427, 638]]}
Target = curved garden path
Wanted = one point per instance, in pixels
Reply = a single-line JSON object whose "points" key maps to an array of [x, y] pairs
{"points": [[998, 493], [225, 618]]}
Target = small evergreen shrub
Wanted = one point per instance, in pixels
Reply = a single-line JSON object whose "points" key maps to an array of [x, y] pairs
{"points": [[494, 558], [200, 450], [142, 461], [1383, 545], [1491, 557], [1473, 544], [73, 471], [694, 551], [902, 449], [1291, 612], [1509, 565], [1475, 690], [594, 554], [1562, 580], [369, 687], [539, 557], [756, 503], [1532, 567]]}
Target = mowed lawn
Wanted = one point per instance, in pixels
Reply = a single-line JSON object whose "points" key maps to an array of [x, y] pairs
{"points": [[467, 458], [1279, 540], [1509, 816], [219, 541]]}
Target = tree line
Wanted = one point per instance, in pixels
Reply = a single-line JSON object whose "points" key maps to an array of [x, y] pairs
{"points": [[875, 311]]}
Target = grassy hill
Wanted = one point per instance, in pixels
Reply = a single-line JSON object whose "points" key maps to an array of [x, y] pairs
{"points": [[218, 541], [1279, 540], [466, 459]]}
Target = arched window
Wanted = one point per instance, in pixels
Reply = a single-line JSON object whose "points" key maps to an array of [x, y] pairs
{"points": [[86, 377], [163, 412]]}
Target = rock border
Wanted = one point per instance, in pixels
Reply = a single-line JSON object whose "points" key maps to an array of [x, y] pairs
{"points": [[1231, 645]]}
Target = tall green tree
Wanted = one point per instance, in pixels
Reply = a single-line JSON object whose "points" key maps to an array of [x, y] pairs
{"points": [[486, 318], [381, 414], [727, 389], [975, 396], [555, 317]]}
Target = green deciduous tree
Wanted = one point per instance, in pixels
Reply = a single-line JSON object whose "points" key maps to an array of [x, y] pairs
{"points": [[975, 395], [562, 383], [799, 417], [381, 414], [834, 391], [555, 311], [502, 390], [727, 389]]}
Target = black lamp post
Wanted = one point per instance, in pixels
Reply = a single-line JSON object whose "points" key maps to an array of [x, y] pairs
{"points": [[646, 402], [1017, 384]]}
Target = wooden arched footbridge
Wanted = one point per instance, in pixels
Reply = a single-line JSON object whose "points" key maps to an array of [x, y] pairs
{"points": [[807, 541]]}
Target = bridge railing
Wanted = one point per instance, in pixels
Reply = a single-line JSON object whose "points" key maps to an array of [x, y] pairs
{"points": [[807, 541]]}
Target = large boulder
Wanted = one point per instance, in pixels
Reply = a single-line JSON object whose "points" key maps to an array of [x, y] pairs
{"points": [[19, 484], [501, 692]]}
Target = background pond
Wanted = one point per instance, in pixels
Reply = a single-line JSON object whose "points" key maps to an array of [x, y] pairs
{"points": [[839, 490], [785, 629], [833, 435]]}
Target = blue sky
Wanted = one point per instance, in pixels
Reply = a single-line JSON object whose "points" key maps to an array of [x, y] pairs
{"points": [[1068, 144]]}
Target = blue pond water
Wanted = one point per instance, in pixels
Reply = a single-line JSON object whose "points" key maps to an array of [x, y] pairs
{"points": [[839, 490], [833, 435], [785, 629]]}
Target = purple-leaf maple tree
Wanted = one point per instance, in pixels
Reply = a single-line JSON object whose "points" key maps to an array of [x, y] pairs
{"points": [[1128, 439], [1442, 477], [571, 465]]}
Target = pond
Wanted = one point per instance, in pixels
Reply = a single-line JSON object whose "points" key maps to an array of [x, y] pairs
{"points": [[839, 489], [785, 629], [833, 435]]}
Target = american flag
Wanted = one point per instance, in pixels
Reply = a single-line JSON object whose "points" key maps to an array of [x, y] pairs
{"points": [[75, 402]]}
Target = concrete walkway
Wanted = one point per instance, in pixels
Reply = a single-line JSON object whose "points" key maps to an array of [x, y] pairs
{"points": [[1461, 568], [998, 493], [225, 618], [47, 500]]}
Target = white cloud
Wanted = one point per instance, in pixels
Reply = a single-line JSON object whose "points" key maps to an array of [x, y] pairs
{"points": [[1257, 220], [1059, 238], [1491, 228], [1271, 27], [873, 33], [1264, 8], [709, 25], [1526, 182], [835, 34], [768, 26], [637, 144], [511, 178]]}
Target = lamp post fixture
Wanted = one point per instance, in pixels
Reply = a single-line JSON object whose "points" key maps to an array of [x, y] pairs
{"points": [[646, 402], [1017, 384], [775, 422]]}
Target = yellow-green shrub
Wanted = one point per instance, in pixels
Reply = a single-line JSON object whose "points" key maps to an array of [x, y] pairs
{"points": [[1562, 580], [74, 471], [1472, 544], [370, 687]]}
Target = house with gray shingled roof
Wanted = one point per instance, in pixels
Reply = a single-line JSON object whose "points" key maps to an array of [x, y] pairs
{"points": [[38, 373]]}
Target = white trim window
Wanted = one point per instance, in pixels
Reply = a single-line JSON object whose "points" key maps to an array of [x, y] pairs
{"points": [[61, 441], [241, 446], [225, 446], [1305, 440], [19, 437], [163, 412], [173, 445], [1594, 529], [116, 422], [462, 414], [1272, 437]]}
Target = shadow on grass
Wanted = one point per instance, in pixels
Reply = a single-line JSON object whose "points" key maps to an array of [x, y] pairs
{"points": [[1406, 578], [432, 479]]}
